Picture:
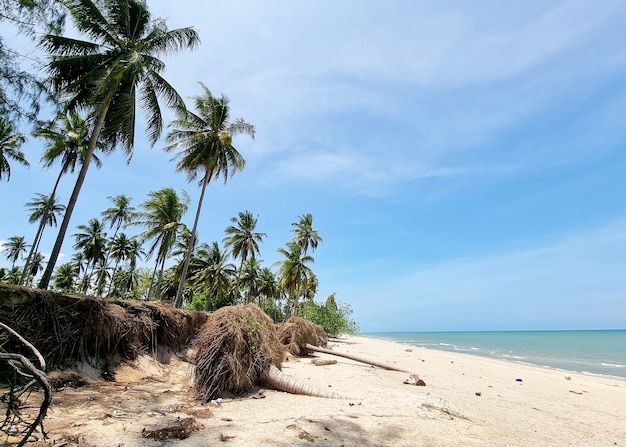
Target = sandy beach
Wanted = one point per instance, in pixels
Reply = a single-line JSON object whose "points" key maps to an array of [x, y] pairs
{"points": [[467, 401]]}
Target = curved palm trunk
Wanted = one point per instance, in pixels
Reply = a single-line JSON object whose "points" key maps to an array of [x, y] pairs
{"points": [[192, 243], [47, 274], [283, 382], [355, 358]]}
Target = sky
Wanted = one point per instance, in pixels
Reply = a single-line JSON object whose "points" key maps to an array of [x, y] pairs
{"points": [[464, 162]]}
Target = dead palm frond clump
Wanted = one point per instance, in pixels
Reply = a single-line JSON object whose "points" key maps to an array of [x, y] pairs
{"points": [[234, 349], [297, 332], [68, 330]]}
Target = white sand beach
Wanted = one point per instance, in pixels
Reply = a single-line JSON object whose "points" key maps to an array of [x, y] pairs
{"points": [[467, 401]]}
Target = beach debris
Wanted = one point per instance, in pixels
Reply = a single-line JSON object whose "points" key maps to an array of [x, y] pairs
{"points": [[237, 349], [177, 429], [568, 378], [225, 438], [320, 362], [577, 392], [414, 380], [519, 380], [356, 358], [478, 393], [408, 350]]}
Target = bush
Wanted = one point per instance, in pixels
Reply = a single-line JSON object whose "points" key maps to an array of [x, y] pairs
{"points": [[333, 316]]}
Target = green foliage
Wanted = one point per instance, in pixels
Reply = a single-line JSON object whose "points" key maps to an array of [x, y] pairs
{"points": [[333, 316]]}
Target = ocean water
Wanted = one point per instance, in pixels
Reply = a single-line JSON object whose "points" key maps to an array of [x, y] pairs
{"points": [[588, 352]]}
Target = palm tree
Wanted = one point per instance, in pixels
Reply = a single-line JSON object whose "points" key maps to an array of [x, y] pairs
{"points": [[68, 140], [45, 210], [64, 278], [163, 211], [210, 269], [109, 75], [91, 241], [205, 138], [121, 213], [250, 280], [304, 234], [293, 273], [10, 141], [36, 264], [119, 249], [15, 248]]}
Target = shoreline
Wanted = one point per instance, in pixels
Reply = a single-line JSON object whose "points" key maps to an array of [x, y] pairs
{"points": [[587, 366], [467, 400]]}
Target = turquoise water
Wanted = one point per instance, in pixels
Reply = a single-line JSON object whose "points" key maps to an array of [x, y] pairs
{"points": [[589, 352]]}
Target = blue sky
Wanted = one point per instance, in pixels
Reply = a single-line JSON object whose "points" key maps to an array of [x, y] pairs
{"points": [[464, 161]]}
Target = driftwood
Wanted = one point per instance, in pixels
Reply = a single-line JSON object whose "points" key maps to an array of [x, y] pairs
{"points": [[356, 358], [26, 370]]}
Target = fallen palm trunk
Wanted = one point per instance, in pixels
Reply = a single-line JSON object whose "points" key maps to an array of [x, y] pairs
{"points": [[356, 358], [283, 382], [236, 350]]}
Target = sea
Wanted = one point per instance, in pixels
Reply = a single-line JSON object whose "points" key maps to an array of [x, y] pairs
{"points": [[588, 352]]}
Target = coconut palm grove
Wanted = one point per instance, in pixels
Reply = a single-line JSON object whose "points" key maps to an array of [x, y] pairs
{"points": [[100, 82]]}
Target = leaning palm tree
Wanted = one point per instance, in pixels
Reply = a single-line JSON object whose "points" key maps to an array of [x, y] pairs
{"points": [[304, 234], [67, 139], [44, 209], [293, 273], [15, 248], [163, 211], [109, 75], [205, 140], [10, 142]]}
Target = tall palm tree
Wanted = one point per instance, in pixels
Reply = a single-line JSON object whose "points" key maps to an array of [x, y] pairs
{"points": [[36, 264], [205, 140], [44, 209], [241, 238], [293, 273], [250, 280], [304, 234], [91, 241], [67, 140], [120, 214], [210, 268], [109, 75], [119, 249], [15, 248], [10, 142], [163, 211]]}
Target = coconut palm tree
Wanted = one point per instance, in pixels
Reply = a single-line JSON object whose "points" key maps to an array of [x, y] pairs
{"points": [[210, 269], [67, 140], [91, 241], [109, 75], [120, 247], [293, 273], [163, 211], [65, 276], [44, 209], [121, 213], [10, 142], [35, 266], [15, 248], [205, 140], [304, 234], [250, 280]]}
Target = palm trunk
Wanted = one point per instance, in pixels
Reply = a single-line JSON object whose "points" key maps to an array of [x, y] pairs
{"points": [[45, 278], [355, 358], [192, 243], [283, 382]]}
